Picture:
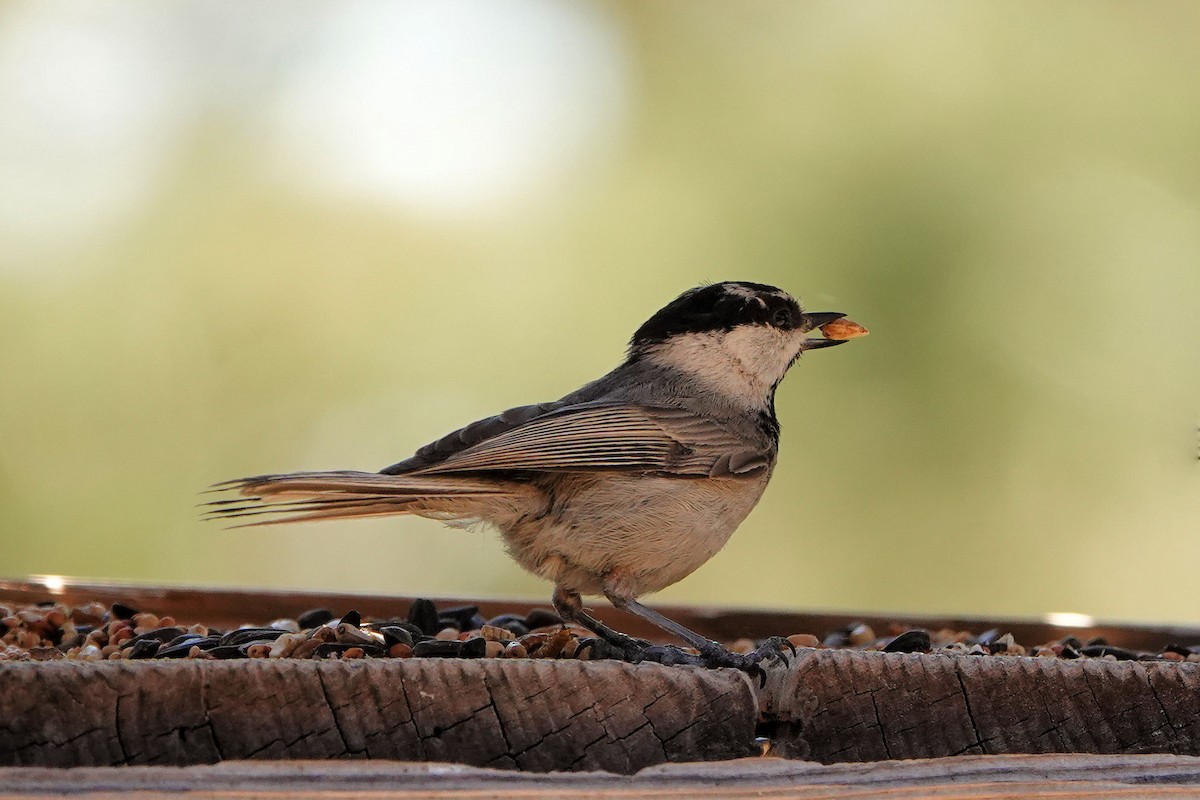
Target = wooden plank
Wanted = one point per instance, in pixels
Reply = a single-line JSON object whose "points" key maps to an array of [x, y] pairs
{"points": [[510, 714], [965, 777], [829, 706], [839, 705]]}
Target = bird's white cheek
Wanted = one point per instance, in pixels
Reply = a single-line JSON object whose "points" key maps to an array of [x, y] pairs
{"points": [[765, 353], [742, 364]]}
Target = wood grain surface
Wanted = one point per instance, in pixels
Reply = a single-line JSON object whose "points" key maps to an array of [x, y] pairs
{"points": [[826, 705], [508, 714], [965, 777], [841, 705]]}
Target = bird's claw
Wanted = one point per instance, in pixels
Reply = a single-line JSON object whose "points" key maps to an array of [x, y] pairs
{"points": [[635, 651], [713, 656], [751, 663], [773, 648]]}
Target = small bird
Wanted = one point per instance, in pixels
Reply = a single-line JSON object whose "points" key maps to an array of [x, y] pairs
{"points": [[622, 487]]}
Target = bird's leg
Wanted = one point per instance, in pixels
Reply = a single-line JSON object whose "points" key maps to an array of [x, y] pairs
{"points": [[712, 654], [569, 606]]}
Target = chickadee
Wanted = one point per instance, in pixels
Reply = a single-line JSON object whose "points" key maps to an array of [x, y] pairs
{"points": [[622, 487]]}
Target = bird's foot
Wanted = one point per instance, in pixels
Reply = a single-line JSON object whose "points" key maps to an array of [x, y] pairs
{"points": [[775, 648], [712, 656], [614, 644], [666, 654]]}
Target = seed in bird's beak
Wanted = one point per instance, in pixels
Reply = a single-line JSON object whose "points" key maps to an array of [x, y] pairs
{"points": [[842, 329]]}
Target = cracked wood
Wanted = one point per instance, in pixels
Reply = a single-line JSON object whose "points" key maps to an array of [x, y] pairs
{"points": [[529, 715], [829, 705], [838, 705]]}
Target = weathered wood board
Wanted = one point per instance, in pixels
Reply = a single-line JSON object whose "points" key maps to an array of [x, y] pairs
{"points": [[511, 714], [540, 715], [844, 705], [965, 777]]}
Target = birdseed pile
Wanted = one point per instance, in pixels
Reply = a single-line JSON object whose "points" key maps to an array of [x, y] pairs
{"points": [[95, 632]]}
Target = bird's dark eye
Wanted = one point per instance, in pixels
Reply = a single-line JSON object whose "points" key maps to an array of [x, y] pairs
{"points": [[782, 318]]}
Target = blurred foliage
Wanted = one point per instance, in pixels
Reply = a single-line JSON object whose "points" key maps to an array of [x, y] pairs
{"points": [[1007, 195]]}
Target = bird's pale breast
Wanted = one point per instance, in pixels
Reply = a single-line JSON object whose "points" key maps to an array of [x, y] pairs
{"points": [[649, 531]]}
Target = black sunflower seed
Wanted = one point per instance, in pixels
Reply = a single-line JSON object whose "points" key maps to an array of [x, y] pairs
{"points": [[244, 635], [914, 641], [541, 618], [513, 623], [121, 611], [473, 648], [180, 649], [458, 617], [161, 635], [394, 634], [438, 648], [143, 648], [227, 651], [424, 614], [314, 618], [182, 639], [1101, 650]]}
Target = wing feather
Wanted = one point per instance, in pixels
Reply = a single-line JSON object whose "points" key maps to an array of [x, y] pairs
{"points": [[610, 436]]}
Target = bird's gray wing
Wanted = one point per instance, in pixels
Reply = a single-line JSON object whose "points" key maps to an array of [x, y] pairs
{"points": [[604, 436], [470, 435]]}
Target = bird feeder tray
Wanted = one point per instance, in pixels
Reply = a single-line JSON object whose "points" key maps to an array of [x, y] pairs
{"points": [[825, 705]]}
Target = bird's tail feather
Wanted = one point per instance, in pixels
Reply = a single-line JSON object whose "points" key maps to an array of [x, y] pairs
{"points": [[309, 496]]}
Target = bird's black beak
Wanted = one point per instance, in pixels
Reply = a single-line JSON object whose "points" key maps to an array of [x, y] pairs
{"points": [[816, 319], [817, 344]]}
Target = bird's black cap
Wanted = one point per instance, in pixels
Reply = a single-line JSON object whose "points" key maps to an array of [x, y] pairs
{"points": [[720, 307]]}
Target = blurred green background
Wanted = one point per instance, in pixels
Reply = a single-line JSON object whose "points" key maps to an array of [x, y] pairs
{"points": [[245, 238]]}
